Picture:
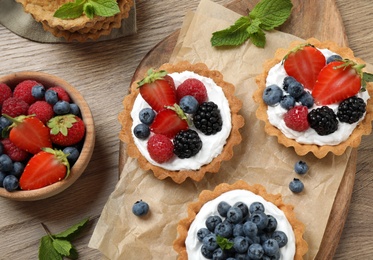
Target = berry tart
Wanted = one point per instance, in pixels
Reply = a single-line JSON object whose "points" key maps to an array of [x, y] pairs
{"points": [[181, 121], [240, 221], [315, 97]]}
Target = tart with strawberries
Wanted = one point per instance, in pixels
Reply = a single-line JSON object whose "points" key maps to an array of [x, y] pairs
{"points": [[315, 97], [181, 121]]}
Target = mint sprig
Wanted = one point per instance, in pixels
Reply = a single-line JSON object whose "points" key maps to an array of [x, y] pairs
{"points": [[224, 243], [266, 15], [58, 246], [90, 8]]}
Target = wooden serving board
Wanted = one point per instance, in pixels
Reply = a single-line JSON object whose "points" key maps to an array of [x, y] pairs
{"points": [[318, 19]]}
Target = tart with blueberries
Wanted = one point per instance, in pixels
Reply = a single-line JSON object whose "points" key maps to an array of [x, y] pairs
{"points": [[315, 97], [240, 221], [181, 121]]}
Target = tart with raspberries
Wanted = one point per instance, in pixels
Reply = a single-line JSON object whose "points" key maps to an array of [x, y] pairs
{"points": [[241, 221], [181, 121], [315, 97]]}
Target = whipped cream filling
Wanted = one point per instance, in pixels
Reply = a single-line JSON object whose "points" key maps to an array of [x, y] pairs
{"points": [[212, 145], [276, 114], [193, 245]]}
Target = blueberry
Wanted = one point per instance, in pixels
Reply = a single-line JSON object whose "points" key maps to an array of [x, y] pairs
{"points": [[272, 224], [223, 208], [260, 219], [271, 247], [212, 222], [51, 96], [74, 109], [140, 208], [238, 230], [296, 185], [306, 99], [219, 254], [1, 147], [244, 208], [234, 215], [4, 123], [301, 167], [295, 89], [188, 104], [239, 256], [147, 115], [10, 183], [210, 242], [287, 102], [224, 229], [6, 164], [272, 95], [38, 91], [264, 237], [205, 252], [61, 107], [240, 244], [287, 80], [2, 176], [202, 232], [256, 206], [18, 168], [280, 237], [332, 58], [73, 154], [250, 229], [141, 131], [255, 252]]}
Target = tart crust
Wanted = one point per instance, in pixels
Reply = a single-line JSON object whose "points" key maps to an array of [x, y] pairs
{"points": [[207, 195], [80, 29], [180, 176], [354, 140]]}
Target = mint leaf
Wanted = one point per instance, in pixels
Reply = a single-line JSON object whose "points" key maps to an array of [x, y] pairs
{"points": [[47, 251], [62, 246], [234, 35], [70, 10], [223, 242], [89, 10], [105, 8], [258, 39], [72, 231], [254, 26]]}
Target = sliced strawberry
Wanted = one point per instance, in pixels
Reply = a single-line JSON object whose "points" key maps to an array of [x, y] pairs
{"points": [[304, 64], [29, 133], [169, 122], [44, 168], [158, 90], [337, 81]]}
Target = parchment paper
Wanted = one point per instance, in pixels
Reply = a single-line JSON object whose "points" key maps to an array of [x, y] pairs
{"points": [[258, 159]]}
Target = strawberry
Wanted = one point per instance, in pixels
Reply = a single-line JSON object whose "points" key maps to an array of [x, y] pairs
{"points": [[160, 148], [158, 90], [14, 152], [42, 110], [296, 118], [24, 91], [192, 87], [169, 121], [339, 80], [44, 168], [304, 64], [29, 133], [66, 130]]}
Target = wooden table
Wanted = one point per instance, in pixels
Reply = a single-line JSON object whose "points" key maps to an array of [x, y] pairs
{"points": [[102, 72]]}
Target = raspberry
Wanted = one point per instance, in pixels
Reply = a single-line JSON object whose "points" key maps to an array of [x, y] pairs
{"points": [[5, 93], [14, 107], [24, 91], [296, 118], [14, 152], [192, 87], [61, 93], [42, 110], [160, 148]]}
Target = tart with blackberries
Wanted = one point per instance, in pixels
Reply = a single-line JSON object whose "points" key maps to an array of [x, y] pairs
{"points": [[316, 97], [240, 221], [181, 121]]}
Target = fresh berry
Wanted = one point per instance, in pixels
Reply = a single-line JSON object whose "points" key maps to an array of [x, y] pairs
{"points": [[337, 81], [287, 102], [141, 131], [323, 120], [72, 154], [15, 153], [296, 185], [169, 122], [6, 164], [304, 64], [334, 57], [271, 247], [287, 81], [1, 148], [4, 124], [187, 143], [14, 107], [272, 224], [188, 104], [272, 95], [38, 91], [243, 207], [296, 118], [61, 93], [29, 134], [5, 93], [147, 115], [23, 91], [18, 168], [224, 229], [234, 215], [42, 110], [61, 107], [10, 183], [250, 229], [51, 96], [208, 119], [223, 208], [44, 168], [192, 87], [2, 177], [306, 99], [66, 130], [210, 242], [75, 110], [260, 219], [140, 208], [301, 167], [351, 110], [256, 206], [202, 232], [212, 221], [295, 89], [158, 90], [255, 251], [241, 244], [280, 237], [160, 148]]}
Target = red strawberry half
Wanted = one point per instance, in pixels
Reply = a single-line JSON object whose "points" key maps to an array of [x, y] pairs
{"points": [[158, 90], [304, 64], [66, 130], [44, 168]]}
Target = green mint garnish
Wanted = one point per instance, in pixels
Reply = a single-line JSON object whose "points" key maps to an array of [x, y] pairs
{"points": [[90, 8], [266, 15], [224, 243], [58, 246]]}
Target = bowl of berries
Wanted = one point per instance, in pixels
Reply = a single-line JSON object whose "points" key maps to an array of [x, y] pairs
{"points": [[46, 135]]}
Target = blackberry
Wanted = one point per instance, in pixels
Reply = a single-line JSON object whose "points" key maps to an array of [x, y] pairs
{"points": [[207, 119], [323, 120], [187, 144], [351, 110]]}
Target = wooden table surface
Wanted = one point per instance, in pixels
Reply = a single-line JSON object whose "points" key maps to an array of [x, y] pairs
{"points": [[102, 71]]}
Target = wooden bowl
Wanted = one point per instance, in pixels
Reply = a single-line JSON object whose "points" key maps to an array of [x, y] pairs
{"points": [[87, 149]]}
